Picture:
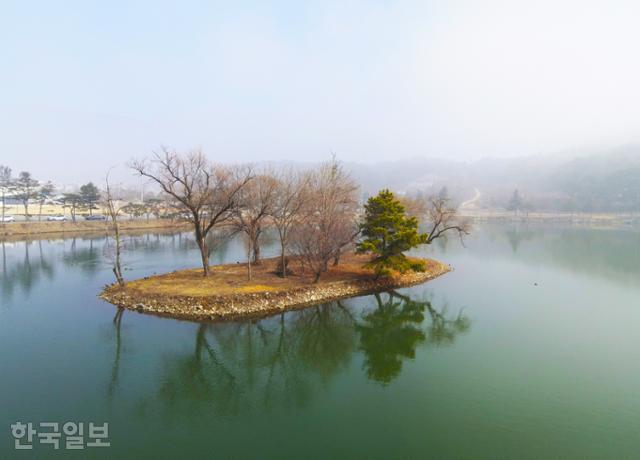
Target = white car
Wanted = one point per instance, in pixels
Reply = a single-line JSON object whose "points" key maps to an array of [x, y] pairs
{"points": [[58, 218], [7, 219]]}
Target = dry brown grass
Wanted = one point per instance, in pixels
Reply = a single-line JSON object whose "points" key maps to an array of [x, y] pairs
{"points": [[232, 278]]}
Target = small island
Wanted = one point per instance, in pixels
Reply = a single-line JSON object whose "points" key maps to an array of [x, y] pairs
{"points": [[331, 246], [228, 294]]}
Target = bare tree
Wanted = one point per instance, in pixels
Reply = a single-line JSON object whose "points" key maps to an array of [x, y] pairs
{"points": [[415, 206], [317, 248], [207, 192], [113, 211], [437, 213], [346, 232], [254, 204], [308, 245], [330, 213], [442, 218], [291, 196]]}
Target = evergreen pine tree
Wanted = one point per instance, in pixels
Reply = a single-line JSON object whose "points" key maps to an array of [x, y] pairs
{"points": [[387, 233]]}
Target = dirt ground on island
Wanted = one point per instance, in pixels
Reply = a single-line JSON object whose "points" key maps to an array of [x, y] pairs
{"points": [[229, 294]]}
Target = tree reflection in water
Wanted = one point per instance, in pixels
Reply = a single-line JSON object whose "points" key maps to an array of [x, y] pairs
{"points": [[392, 331], [280, 362], [87, 258], [26, 273], [262, 364], [115, 368], [201, 376]]}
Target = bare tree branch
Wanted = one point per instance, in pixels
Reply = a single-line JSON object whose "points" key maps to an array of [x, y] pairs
{"points": [[207, 192]]}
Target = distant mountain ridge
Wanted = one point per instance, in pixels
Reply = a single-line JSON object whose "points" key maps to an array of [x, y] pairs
{"points": [[601, 181]]}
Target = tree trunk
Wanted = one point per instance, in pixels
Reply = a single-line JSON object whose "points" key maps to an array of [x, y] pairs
{"points": [[249, 262], [40, 212], [282, 259], [204, 253], [205, 260], [117, 268], [325, 265], [256, 252], [204, 250]]}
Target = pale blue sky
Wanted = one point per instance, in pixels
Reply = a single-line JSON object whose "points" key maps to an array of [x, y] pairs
{"points": [[86, 85]]}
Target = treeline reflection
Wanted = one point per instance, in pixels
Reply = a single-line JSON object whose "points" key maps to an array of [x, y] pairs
{"points": [[612, 253], [26, 263], [282, 361], [23, 270], [609, 253]]}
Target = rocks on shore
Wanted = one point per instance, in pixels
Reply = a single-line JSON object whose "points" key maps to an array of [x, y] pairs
{"points": [[251, 305]]}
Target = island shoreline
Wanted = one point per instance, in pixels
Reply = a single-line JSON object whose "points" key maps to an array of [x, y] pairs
{"points": [[244, 306]]}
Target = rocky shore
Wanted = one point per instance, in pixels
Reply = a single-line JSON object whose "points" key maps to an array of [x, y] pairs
{"points": [[259, 304]]}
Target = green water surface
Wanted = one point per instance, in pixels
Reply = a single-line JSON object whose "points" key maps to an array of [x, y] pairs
{"points": [[530, 348]]}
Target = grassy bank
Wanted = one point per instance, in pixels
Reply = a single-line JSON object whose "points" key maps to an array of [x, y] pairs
{"points": [[45, 229], [228, 294]]}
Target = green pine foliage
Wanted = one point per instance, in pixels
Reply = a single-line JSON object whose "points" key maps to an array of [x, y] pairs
{"points": [[387, 232]]}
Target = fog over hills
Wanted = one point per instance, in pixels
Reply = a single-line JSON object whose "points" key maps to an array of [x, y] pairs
{"points": [[567, 181], [606, 180]]}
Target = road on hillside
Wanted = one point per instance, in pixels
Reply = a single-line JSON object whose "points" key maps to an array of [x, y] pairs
{"points": [[472, 202]]}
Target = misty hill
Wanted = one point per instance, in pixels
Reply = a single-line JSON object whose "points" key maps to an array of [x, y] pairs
{"points": [[602, 181]]}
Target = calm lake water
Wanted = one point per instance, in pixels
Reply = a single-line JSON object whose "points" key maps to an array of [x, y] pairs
{"points": [[529, 349]]}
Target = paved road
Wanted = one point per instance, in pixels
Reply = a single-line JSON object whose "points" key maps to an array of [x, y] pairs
{"points": [[472, 202]]}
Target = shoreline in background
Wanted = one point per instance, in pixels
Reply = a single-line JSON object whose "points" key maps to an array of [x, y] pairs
{"points": [[43, 230], [11, 231], [580, 218]]}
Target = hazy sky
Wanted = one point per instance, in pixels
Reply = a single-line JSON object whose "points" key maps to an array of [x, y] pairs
{"points": [[85, 85]]}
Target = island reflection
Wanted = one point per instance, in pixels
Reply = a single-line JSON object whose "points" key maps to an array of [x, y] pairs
{"points": [[281, 362]]}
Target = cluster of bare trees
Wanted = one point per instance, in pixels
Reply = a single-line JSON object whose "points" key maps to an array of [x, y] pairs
{"points": [[328, 225], [208, 192], [255, 203], [313, 212]]}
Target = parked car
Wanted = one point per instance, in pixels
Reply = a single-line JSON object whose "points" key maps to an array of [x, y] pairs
{"points": [[7, 219], [58, 218], [95, 217]]}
